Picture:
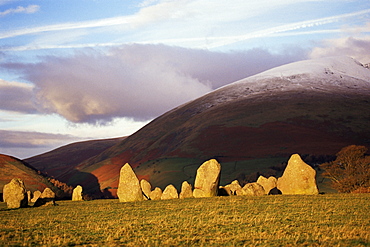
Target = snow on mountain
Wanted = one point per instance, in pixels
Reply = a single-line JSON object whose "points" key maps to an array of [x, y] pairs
{"points": [[321, 68], [330, 75]]}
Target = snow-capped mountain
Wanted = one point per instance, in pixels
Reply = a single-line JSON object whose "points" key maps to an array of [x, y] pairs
{"points": [[313, 107], [333, 74]]}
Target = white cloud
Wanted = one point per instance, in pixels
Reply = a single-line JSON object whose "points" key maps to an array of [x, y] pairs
{"points": [[30, 9], [147, 3], [356, 45], [138, 81]]}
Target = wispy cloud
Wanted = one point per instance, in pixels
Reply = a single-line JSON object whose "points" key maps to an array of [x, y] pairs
{"points": [[280, 30], [66, 26], [146, 16], [20, 9]]}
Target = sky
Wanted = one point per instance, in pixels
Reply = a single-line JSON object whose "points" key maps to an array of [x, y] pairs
{"points": [[75, 70]]}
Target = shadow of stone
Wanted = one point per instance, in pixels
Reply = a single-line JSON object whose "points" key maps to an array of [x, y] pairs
{"points": [[107, 194], [222, 192], [275, 191], [45, 202], [89, 183]]}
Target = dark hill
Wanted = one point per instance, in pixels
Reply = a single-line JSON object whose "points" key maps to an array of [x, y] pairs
{"points": [[66, 158]]}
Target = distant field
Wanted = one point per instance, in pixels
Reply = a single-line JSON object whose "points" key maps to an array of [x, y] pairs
{"points": [[322, 220]]}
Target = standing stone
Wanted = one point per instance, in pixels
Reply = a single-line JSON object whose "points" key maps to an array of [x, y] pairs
{"points": [[146, 187], [77, 193], [207, 179], [14, 194], [47, 198], [156, 194], [298, 178], [29, 195], [253, 189], [129, 187], [267, 183], [234, 188], [170, 192], [36, 196], [186, 190]]}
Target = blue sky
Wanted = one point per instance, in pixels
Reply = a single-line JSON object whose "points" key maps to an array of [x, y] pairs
{"points": [[88, 69]]}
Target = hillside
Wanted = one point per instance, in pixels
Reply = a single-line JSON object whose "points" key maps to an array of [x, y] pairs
{"points": [[312, 107], [65, 158], [11, 167]]}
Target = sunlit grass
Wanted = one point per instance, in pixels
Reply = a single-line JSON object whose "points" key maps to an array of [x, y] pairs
{"points": [[322, 220]]}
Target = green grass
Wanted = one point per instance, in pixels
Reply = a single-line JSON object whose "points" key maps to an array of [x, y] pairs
{"points": [[322, 220]]}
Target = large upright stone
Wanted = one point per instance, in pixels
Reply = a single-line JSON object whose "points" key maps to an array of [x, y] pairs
{"points": [[170, 192], [156, 194], [15, 194], [186, 190], [253, 189], [267, 183], [47, 198], [146, 187], [207, 179], [298, 178], [77, 193], [129, 189]]}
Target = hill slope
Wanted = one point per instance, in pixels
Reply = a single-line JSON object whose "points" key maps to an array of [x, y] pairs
{"points": [[65, 158], [311, 107], [11, 167]]}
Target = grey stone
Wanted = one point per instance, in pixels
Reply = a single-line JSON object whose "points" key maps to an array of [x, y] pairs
{"points": [[298, 178], [169, 192], [15, 194], [186, 190], [207, 179], [129, 189]]}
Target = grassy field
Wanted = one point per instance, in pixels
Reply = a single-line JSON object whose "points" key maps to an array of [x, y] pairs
{"points": [[322, 220]]}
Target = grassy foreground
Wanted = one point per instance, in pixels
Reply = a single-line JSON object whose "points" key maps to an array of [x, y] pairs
{"points": [[322, 220]]}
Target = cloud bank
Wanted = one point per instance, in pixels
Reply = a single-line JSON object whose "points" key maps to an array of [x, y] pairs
{"points": [[137, 81], [15, 96], [356, 47], [24, 144]]}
